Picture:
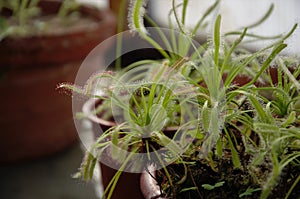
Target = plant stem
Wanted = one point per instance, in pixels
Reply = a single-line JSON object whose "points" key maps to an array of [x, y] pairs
{"points": [[292, 187], [120, 27], [136, 24]]}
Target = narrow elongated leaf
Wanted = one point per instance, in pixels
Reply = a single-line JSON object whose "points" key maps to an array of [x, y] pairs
{"points": [[211, 187], [219, 147], [259, 109], [291, 118], [174, 148], [205, 116], [114, 145], [234, 154], [268, 61], [266, 128], [158, 117], [217, 38]]}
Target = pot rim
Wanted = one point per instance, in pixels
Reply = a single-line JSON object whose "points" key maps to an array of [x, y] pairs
{"points": [[89, 106], [100, 15], [72, 46], [87, 109]]}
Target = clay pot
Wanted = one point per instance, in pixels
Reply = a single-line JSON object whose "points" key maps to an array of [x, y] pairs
{"points": [[242, 79], [129, 183], [36, 120]]}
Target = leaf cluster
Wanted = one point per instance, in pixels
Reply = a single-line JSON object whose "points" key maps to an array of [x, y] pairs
{"points": [[254, 122]]}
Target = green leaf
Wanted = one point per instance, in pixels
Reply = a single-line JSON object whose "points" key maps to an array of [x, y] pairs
{"points": [[205, 114], [3, 24], [266, 128], [261, 112], [114, 145], [217, 39], [188, 189], [204, 16], [3, 28], [261, 20], [290, 119], [88, 165], [158, 117], [277, 49], [259, 158], [194, 133], [249, 192], [234, 154], [219, 147], [199, 135], [211, 187], [174, 148], [215, 120], [214, 129], [208, 186], [136, 23], [228, 54]]}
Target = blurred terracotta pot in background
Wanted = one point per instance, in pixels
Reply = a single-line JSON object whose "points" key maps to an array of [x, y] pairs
{"points": [[35, 119]]}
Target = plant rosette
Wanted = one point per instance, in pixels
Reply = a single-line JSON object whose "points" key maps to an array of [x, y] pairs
{"points": [[117, 105], [166, 102]]}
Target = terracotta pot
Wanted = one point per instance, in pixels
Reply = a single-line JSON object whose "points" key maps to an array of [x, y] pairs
{"points": [[36, 120], [41, 50], [242, 79], [129, 183]]}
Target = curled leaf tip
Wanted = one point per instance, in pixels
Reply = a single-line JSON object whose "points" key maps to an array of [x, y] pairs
{"points": [[136, 13], [68, 88], [65, 88]]}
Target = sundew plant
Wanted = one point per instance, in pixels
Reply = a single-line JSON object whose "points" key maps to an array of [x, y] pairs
{"points": [[255, 123]]}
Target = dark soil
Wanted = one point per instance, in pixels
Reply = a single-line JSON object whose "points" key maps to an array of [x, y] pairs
{"points": [[235, 181]]}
